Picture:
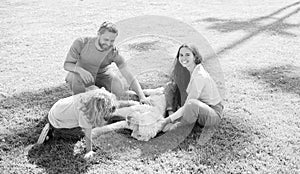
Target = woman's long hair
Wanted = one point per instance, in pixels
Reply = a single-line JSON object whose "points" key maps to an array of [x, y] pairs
{"points": [[97, 105], [180, 75]]}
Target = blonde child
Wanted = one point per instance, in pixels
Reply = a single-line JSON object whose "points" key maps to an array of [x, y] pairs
{"points": [[85, 110]]}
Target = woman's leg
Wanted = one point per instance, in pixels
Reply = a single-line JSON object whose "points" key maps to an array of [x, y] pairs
{"points": [[196, 110]]}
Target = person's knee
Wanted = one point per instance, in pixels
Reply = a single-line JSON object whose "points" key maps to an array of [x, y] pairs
{"points": [[191, 111], [116, 86], [193, 104], [76, 83]]}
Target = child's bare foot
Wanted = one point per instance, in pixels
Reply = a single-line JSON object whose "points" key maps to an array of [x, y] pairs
{"points": [[44, 134], [89, 154]]}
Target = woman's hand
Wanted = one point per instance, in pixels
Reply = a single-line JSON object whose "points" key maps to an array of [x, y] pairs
{"points": [[163, 123]]}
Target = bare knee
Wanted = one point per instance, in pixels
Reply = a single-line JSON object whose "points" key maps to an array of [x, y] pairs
{"points": [[117, 87]]}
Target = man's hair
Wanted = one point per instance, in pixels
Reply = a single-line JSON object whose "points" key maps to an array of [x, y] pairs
{"points": [[107, 26]]}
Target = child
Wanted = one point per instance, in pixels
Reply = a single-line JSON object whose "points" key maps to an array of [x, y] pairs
{"points": [[84, 110]]}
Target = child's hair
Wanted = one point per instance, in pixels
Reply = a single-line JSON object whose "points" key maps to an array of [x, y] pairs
{"points": [[97, 105]]}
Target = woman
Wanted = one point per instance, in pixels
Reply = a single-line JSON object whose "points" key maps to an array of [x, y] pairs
{"points": [[203, 101]]}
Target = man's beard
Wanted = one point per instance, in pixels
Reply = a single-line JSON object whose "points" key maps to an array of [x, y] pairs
{"points": [[104, 46]]}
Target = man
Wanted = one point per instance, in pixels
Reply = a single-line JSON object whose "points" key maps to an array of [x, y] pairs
{"points": [[88, 59]]}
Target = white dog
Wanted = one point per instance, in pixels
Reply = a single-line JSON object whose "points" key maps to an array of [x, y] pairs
{"points": [[143, 120]]}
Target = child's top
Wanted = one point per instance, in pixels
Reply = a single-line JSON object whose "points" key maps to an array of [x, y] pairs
{"points": [[65, 113]]}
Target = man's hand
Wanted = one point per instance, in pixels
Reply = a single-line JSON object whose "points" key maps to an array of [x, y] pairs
{"points": [[85, 75], [89, 154]]}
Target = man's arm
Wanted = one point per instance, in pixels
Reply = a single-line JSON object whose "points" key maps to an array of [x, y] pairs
{"points": [[132, 81], [72, 58]]}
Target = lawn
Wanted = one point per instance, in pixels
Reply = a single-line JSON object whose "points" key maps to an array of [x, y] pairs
{"points": [[257, 45]]}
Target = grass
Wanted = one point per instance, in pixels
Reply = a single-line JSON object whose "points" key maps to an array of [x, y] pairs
{"points": [[257, 45]]}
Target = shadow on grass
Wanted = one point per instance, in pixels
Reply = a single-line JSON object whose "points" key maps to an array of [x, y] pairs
{"points": [[225, 140], [228, 144], [285, 78], [254, 26], [58, 156], [21, 115]]}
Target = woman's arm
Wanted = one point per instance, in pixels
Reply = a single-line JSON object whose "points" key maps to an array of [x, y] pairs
{"points": [[171, 118], [176, 114]]}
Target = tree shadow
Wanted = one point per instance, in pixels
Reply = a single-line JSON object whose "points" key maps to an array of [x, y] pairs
{"points": [[255, 26], [229, 142], [58, 156], [22, 114], [285, 78]]}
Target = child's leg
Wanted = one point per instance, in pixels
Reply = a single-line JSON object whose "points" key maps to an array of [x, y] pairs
{"points": [[68, 133], [49, 131], [46, 132]]}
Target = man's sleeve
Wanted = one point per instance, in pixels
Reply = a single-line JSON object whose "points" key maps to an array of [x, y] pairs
{"points": [[118, 59], [74, 52]]}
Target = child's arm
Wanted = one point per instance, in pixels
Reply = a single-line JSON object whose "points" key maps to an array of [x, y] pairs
{"points": [[88, 142]]}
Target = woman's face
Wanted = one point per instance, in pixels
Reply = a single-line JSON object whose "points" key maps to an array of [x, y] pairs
{"points": [[186, 58]]}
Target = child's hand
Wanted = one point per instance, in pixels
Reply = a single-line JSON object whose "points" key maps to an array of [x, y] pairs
{"points": [[89, 154], [145, 100]]}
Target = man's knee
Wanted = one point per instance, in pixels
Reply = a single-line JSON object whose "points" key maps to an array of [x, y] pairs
{"points": [[116, 86], [75, 82]]}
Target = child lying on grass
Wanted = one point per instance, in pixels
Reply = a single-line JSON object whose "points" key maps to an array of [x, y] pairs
{"points": [[83, 111]]}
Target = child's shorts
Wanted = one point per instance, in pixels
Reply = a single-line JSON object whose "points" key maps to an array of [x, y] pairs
{"points": [[75, 133]]}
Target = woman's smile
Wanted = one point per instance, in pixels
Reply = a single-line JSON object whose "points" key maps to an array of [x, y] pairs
{"points": [[186, 58]]}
